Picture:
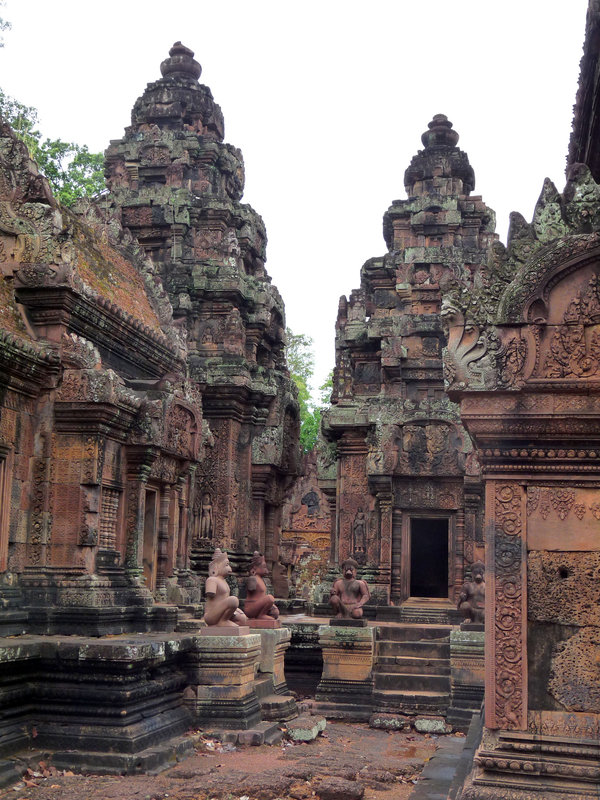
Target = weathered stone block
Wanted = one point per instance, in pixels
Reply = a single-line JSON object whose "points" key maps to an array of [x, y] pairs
{"points": [[346, 685], [221, 672], [305, 728]]}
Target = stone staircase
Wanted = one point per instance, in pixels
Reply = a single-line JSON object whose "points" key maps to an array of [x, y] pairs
{"points": [[412, 669]]}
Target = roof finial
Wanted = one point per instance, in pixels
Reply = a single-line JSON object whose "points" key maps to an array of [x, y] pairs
{"points": [[440, 133], [181, 62]]}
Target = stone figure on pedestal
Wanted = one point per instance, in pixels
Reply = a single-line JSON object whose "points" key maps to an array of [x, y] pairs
{"points": [[259, 604], [349, 594], [471, 601], [221, 608]]}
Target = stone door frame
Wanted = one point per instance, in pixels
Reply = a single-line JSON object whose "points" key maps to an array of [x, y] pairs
{"points": [[405, 567]]}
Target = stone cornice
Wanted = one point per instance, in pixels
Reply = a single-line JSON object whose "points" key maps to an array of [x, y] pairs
{"points": [[137, 347], [26, 365]]}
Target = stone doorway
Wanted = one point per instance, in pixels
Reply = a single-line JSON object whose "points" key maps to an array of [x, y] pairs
{"points": [[429, 557]]}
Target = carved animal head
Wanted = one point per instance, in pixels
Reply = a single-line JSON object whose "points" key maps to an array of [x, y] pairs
{"points": [[219, 564]]}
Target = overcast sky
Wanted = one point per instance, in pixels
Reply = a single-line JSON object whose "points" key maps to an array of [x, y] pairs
{"points": [[327, 101]]}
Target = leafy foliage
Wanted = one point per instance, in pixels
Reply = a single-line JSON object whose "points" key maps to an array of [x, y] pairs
{"points": [[71, 169], [4, 25], [301, 363]]}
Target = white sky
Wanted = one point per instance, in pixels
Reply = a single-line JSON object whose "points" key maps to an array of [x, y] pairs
{"points": [[327, 100]]}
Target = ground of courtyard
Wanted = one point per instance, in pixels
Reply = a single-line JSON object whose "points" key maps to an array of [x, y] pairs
{"points": [[350, 760]]}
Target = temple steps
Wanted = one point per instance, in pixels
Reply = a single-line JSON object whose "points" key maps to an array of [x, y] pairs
{"points": [[414, 665], [412, 668], [424, 702], [411, 682]]}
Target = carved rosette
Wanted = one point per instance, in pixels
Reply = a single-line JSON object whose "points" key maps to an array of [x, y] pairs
{"points": [[507, 657]]}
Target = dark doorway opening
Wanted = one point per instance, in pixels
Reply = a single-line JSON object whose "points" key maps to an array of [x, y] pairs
{"points": [[428, 557]]}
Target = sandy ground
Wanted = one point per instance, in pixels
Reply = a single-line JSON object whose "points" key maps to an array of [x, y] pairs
{"points": [[348, 761]]}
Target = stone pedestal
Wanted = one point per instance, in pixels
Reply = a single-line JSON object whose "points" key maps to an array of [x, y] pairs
{"points": [[274, 643], [273, 695], [467, 671], [221, 672], [346, 686], [224, 630], [264, 624]]}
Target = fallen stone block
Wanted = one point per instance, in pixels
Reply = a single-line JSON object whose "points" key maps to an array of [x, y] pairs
{"points": [[438, 726], [305, 728], [389, 722]]}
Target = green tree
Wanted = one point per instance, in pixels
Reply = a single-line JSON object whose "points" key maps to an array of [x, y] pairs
{"points": [[301, 363], [4, 25], [71, 169]]}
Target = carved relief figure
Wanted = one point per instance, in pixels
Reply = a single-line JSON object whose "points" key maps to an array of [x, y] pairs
{"points": [[206, 517], [359, 535], [349, 594], [259, 604], [221, 608], [471, 602]]}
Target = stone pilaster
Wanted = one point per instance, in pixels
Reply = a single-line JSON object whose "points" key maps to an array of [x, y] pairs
{"points": [[221, 672], [346, 687]]}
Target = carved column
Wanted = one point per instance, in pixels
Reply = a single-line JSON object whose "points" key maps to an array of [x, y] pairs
{"points": [[385, 544], [458, 549], [139, 465], [162, 556], [396, 577], [506, 607]]}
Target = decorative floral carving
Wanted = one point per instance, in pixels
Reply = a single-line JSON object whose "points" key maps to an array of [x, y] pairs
{"points": [[562, 500], [533, 499], [508, 599]]}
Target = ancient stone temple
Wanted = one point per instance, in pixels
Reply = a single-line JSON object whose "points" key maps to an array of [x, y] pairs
{"points": [[177, 186], [112, 479], [408, 490], [100, 429]]}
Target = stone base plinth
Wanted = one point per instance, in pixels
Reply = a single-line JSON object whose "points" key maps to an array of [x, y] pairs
{"points": [[264, 623], [101, 704], [220, 672], [519, 765], [467, 672], [224, 630], [344, 622], [346, 687]]}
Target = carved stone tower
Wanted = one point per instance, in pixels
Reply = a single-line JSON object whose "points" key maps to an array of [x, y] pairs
{"points": [[407, 482], [178, 187]]}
